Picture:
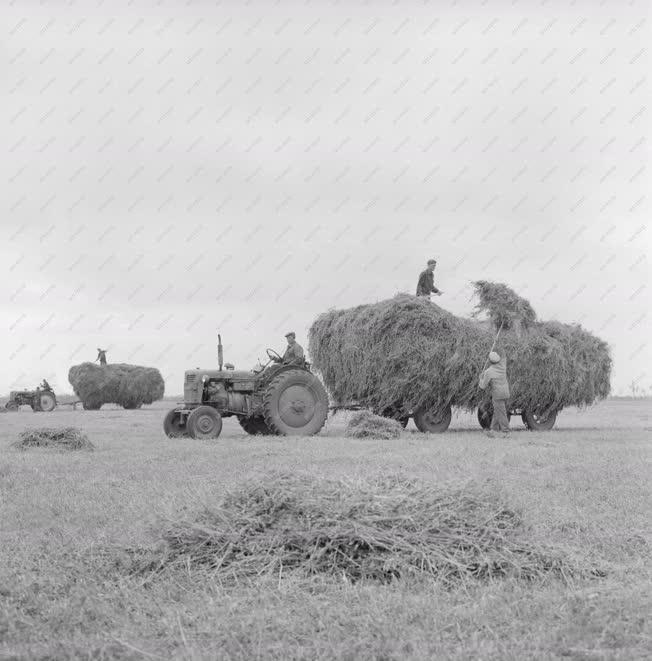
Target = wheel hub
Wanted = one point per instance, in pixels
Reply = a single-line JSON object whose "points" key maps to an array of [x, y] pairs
{"points": [[297, 405], [205, 424]]}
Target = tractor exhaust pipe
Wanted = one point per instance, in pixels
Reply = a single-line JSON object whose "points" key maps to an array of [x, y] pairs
{"points": [[220, 352]]}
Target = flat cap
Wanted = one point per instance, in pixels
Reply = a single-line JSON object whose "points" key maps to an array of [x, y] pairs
{"points": [[291, 334], [432, 261]]}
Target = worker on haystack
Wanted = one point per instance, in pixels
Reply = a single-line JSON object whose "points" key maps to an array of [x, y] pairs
{"points": [[426, 283], [101, 356], [293, 353], [496, 377]]}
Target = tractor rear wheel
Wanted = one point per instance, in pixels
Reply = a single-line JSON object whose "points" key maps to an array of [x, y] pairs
{"points": [[433, 421], [539, 421], [485, 413], [172, 425], [48, 402], [295, 404], [256, 426]]}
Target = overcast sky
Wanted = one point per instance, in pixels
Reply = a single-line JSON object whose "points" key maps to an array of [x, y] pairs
{"points": [[176, 169]]}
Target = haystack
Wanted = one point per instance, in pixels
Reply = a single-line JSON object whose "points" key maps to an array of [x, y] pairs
{"points": [[364, 424], [383, 529], [130, 386], [406, 352], [63, 438]]}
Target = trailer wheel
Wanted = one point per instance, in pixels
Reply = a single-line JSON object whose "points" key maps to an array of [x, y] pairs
{"points": [[433, 421], [394, 415], [539, 421], [172, 425], [204, 422], [486, 412]]}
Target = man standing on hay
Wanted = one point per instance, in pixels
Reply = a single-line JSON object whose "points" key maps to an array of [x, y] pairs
{"points": [[101, 356], [426, 283], [294, 353], [496, 377]]}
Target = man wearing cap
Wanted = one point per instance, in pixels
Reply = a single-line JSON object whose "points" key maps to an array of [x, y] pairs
{"points": [[294, 353], [426, 283], [496, 377]]}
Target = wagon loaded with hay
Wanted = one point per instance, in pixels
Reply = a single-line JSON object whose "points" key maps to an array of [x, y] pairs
{"points": [[129, 386], [407, 357]]}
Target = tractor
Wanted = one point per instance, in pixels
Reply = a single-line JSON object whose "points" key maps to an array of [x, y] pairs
{"points": [[41, 399], [275, 399]]}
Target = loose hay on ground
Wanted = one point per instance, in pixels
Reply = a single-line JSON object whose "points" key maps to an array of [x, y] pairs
{"points": [[63, 438], [364, 424], [384, 529]]}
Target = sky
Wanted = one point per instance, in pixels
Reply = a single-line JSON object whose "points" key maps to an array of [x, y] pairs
{"points": [[179, 169]]}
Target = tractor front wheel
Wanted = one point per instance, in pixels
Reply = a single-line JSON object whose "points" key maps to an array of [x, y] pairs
{"points": [[539, 421], [11, 406], [204, 422], [295, 404], [172, 425], [433, 421]]}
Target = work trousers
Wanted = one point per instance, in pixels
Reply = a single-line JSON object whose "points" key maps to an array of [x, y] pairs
{"points": [[499, 420]]}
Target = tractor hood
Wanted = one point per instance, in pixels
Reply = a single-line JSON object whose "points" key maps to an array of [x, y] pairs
{"points": [[212, 373]]}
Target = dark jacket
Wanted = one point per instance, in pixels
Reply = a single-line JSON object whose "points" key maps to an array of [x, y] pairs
{"points": [[496, 376], [426, 284], [293, 355]]}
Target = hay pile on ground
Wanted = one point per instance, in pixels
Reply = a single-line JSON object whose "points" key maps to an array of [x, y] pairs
{"points": [[130, 386], [63, 438], [364, 424], [384, 529], [406, 352]]}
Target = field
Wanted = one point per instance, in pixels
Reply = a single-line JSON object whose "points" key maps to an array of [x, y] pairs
{"points": [[72, 524]]}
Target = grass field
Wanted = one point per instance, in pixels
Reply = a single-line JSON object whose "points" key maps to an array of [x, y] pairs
{"points": [[70, 523]]}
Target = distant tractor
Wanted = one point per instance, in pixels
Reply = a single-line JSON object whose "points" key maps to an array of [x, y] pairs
{"points": [[41, 399], [275, 398]]}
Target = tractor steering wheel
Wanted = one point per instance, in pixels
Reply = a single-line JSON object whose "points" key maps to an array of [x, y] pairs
{"points": [[272, 355]]}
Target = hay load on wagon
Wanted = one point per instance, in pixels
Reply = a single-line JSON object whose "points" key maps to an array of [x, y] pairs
{"points": [[408, 355], [129, 386]]}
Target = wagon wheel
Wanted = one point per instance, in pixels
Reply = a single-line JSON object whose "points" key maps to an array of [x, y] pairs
{"points": [[394, 414], [433, 421], [486, 412], [539, 421], [255, 425]]}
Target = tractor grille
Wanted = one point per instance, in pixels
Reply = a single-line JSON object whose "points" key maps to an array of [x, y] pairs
{"points": [[191, 378]]}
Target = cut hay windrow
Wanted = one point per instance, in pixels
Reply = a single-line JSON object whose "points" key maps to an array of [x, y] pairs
{"points": [[383, 529], [364, 424], [62, 438], [406, 352], [129, 386]]}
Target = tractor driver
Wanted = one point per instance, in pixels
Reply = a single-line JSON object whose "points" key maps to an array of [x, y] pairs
{"points": [[294, 353]]}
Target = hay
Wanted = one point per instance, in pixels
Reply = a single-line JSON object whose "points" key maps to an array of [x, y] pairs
{"points": [[406, 352], [384, 529], [62, 438], [129, 386], [503, 305], [364, 424]]}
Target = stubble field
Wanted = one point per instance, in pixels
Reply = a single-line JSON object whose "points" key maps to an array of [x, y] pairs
{"points": [[71, 524]]}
